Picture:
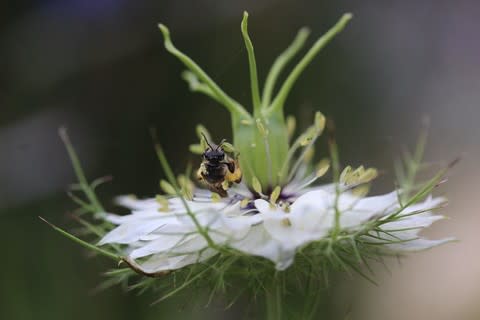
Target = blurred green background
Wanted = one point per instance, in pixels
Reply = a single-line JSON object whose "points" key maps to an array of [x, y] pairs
{"points": [[99, 68]]}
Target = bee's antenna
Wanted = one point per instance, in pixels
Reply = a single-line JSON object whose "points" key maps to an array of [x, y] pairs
{"points": [[206, 140], [221, 143]]}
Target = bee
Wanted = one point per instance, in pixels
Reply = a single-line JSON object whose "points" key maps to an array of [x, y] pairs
{"points": [[218, 170]]}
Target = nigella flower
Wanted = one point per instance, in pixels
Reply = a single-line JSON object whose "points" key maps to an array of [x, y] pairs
{"points": [[169, 239], [279, 213]]}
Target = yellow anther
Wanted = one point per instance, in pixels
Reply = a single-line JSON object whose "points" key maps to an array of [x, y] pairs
{"points": [[257, 187], [163, 202], [369, 174], [358, 176], [228, 147], [322, 168], [167, 187], [345, 174], [319, 122], [187, 186], [244, 203], [285, 206], [275, 194], [309, 153], [291, 125], [286, 222], [361, 191], [216, 197], [196, 148]]}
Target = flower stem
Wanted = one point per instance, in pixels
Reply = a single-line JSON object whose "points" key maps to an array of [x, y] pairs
{"points": [[298, 162], [282, 60], [85, 244], [232, 105], [273, 296], [77, 167], [282, 95], [336, 176], [251, 63]]}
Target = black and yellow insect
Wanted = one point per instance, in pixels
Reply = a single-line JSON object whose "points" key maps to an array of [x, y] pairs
{"points": [[218, 170]]}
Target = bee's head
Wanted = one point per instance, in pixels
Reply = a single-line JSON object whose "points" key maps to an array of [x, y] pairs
{"points": [[214, 155]]}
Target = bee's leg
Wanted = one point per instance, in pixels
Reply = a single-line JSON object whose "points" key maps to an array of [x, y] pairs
{"points": [[222, 193], [217, 188]]}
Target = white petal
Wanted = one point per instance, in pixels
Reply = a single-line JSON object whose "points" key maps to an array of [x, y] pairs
{"points": [[356, 211], [429, 204], [417, 244], [131, 231], [308, 220], [171, 245], [131, 202], [415, 223], [382, 204], [258, 242], [161, 262], [152, 214], [295, 229], [263, 206], [314, 200]]}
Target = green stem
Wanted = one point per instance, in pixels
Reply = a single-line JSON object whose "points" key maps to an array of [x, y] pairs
{"points": [[413, 165], [298, 162], [269, 160], [282, 95], [196, 86], [232, 105], [282, 60], [285, 166], [273, 296], [251, 63], [83, 243], [82, 180], [336, 180]]}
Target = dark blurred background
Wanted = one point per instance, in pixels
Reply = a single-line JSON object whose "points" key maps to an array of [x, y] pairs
{"points": [[99, 68]]}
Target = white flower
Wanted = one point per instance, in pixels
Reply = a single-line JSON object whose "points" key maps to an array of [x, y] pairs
{"points": [[403, 233], [160, 241]]}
